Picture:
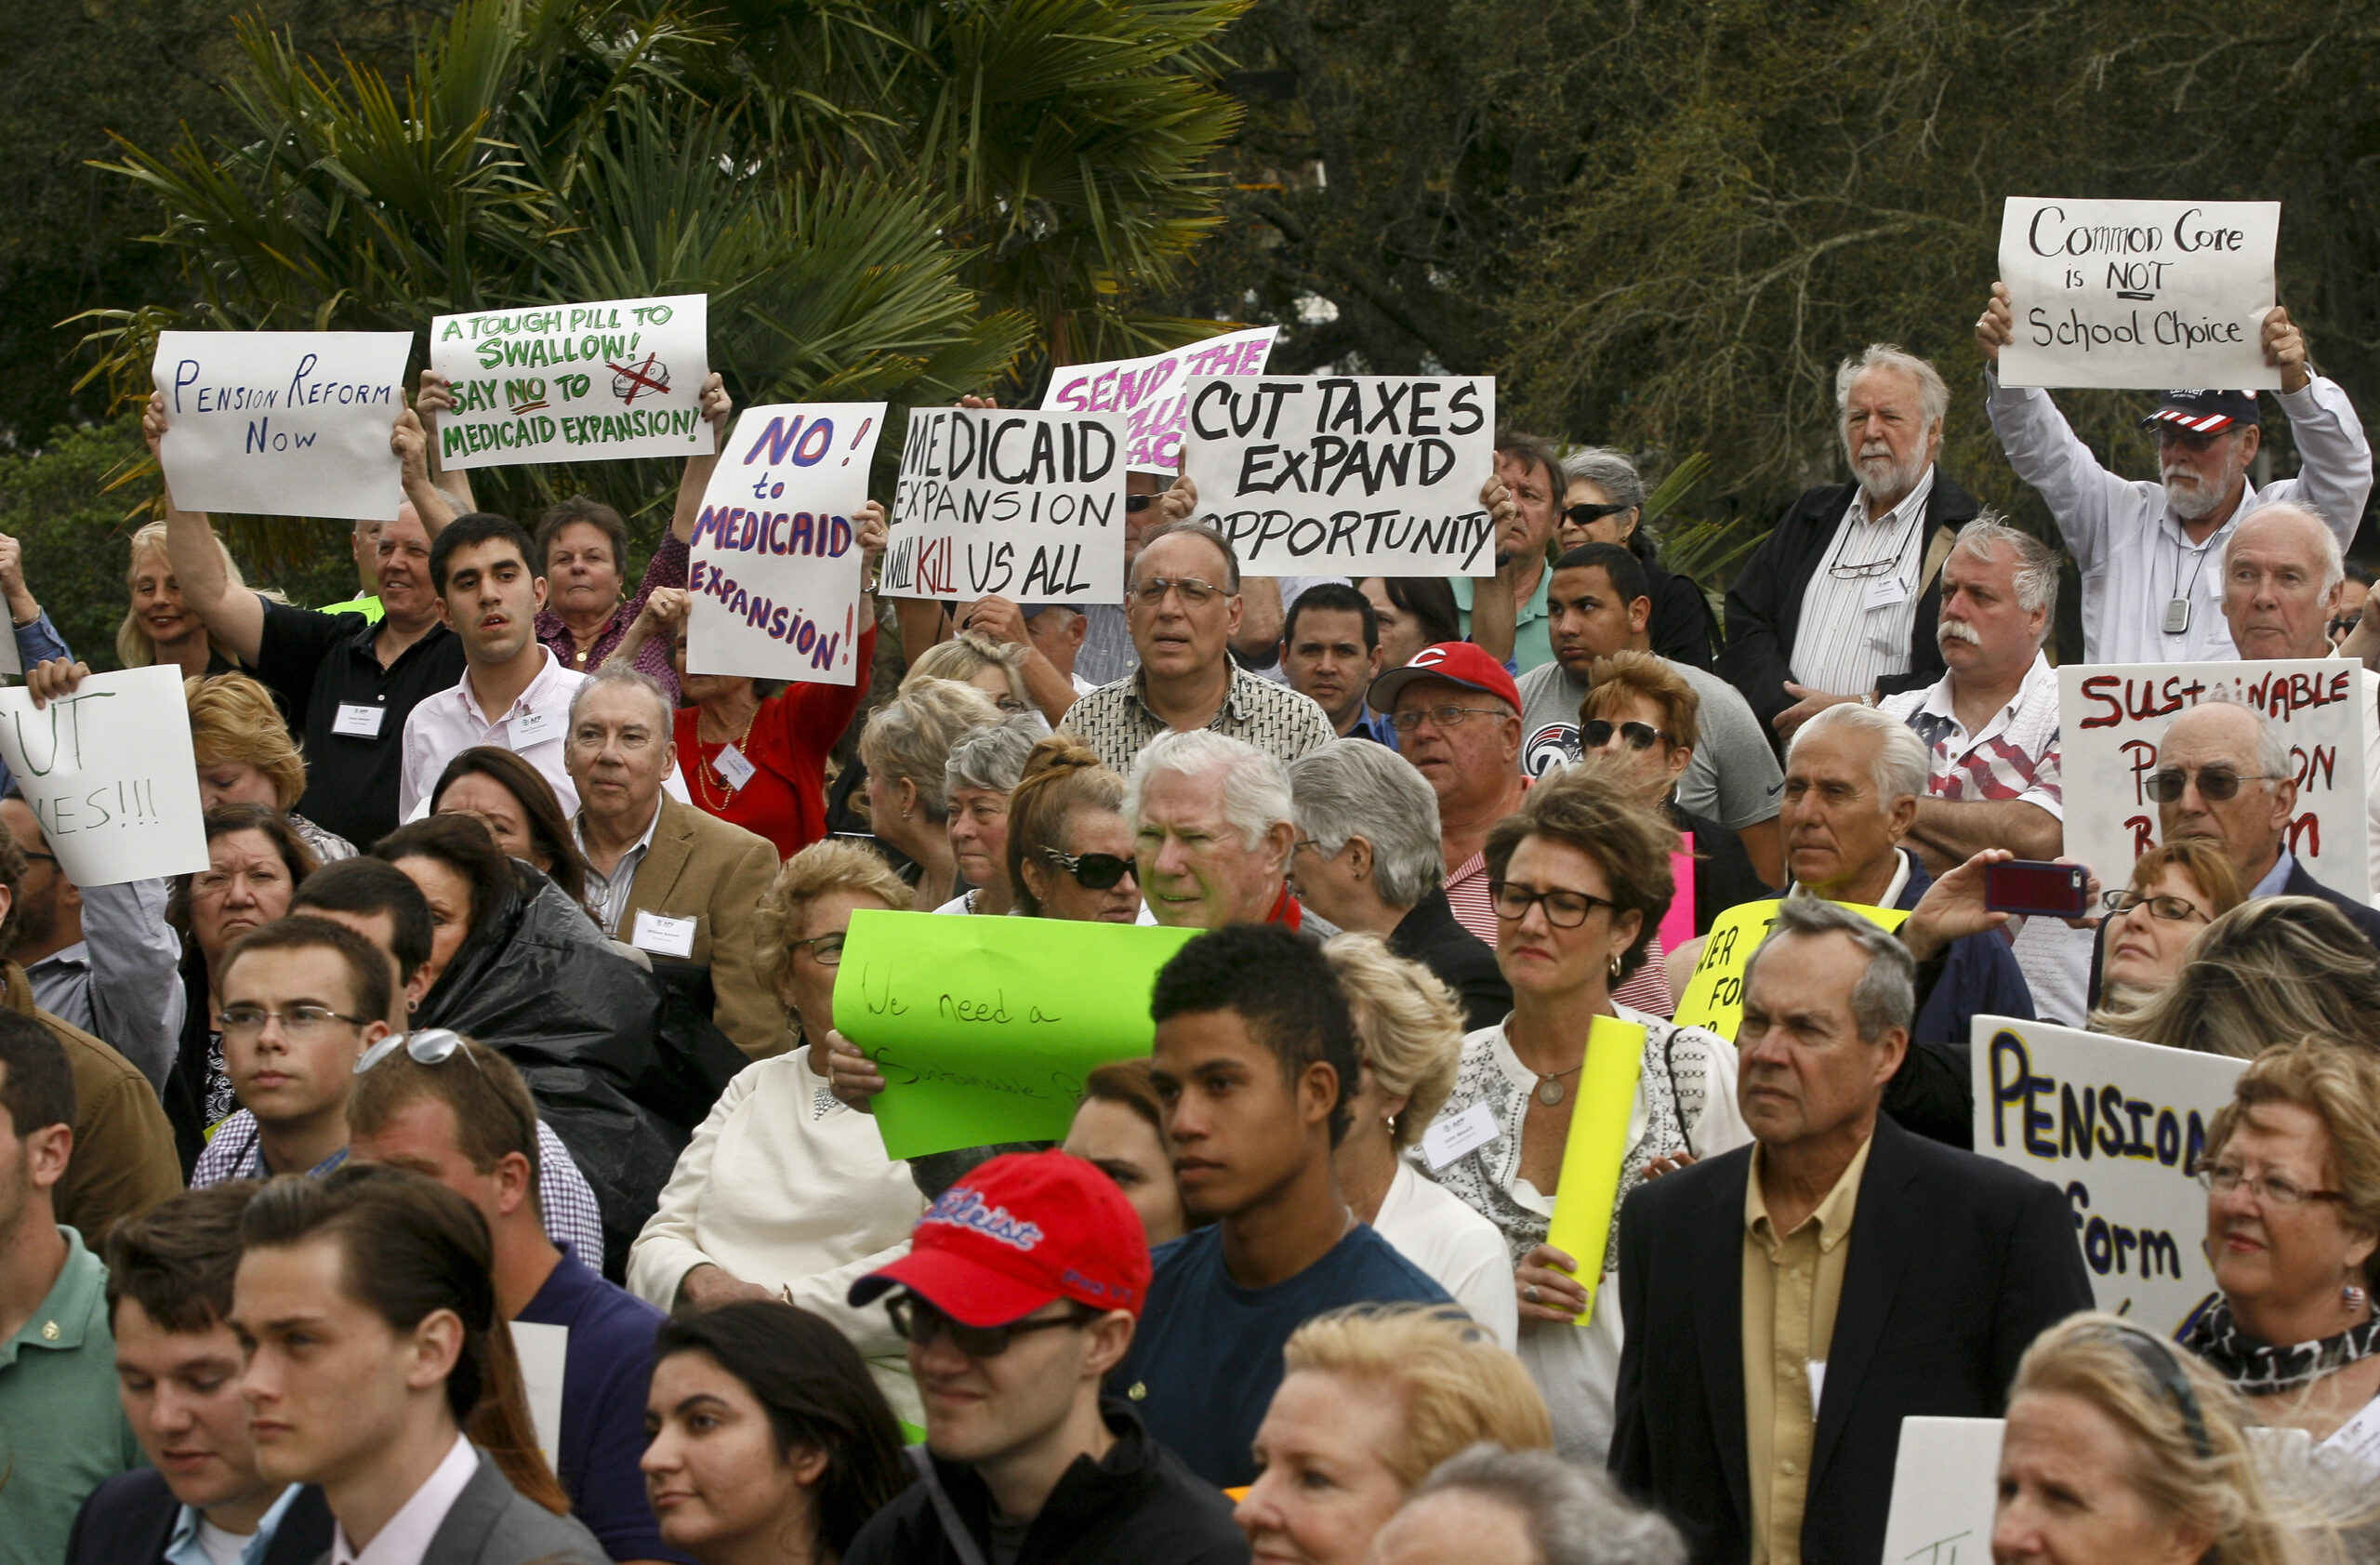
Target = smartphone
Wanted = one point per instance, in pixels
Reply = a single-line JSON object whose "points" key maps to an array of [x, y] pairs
{"points": [[2055, 891]]}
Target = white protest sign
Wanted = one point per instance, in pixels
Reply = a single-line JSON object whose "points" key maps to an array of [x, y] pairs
{"points": [[574, 382], [2147, 294], [1346, 475], [1153, 393], [773, 575], [283, 424], [109, 773], [1945, 1487], [1026, 505], [2110, 717], [2118, 1126]]}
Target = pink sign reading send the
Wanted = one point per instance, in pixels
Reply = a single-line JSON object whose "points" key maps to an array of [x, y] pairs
{"points": [[1150, 393]]}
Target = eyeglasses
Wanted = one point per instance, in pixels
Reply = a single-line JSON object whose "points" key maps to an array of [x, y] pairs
{"points": [[429, 1045], [2168, 433], [2271, 1189], [1092, 871], [827, 951], [1411, 718], [298, 1024], [1135, 504], [1637, 736], [1564, 909], [1195, 594], [1586, 515], [2214, 783], [919, 1322], [2174, 909]]}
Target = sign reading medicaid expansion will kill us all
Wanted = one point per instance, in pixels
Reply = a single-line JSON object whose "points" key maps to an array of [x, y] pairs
{"points": [[574, 382], [1026, 505], [2141, 294], [1152, 394], [774, 566], [1346, 474], [283, 424]]}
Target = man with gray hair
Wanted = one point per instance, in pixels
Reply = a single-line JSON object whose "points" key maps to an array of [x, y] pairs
{"points": [[1838, 1264], [1493, 1506], [1839, 602], [1212, 831]]}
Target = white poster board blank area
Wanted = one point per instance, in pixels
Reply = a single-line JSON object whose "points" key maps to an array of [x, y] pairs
{"points": [[283, 424], [574, 382], [1026, 505], [1945, 1486], [109, 773], [2143, 294], [1152, 394], [2112, 717], [1346, 475]]}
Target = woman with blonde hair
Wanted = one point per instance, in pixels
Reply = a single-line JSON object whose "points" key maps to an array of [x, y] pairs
{"points": [[1373, 1399], [158, 627], [905, 748], [1408, 1037], [971, 657], [1070, 847], [2178, 890], [245, 756], [2270, 971]]}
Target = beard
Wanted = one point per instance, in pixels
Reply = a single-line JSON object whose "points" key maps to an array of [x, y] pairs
{"points": [[2188, 495], [1881, 474]]}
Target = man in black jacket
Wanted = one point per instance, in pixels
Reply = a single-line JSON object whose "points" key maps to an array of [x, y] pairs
{"points": [[1789, 1303], [1021, 1290], [1839, 603]]}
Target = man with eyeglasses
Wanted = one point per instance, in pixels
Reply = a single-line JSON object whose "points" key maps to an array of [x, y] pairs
{"points": [[1021, 1291], [1458, 719], [2150, 551]]}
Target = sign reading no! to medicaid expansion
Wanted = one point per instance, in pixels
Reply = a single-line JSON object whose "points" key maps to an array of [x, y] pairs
{"points": [[594, 382], [283, 424]]}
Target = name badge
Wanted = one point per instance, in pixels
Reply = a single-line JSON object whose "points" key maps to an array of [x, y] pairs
{"points": [[530, 727], [1446, 1140], [662, 936], [1883, 592], [732, 768], [357, 720]]}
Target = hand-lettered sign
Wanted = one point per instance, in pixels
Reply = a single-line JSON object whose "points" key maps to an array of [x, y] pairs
{"points": [[2146, 294], [1944, 1489], [2112, 717], [283, 424], [574, 382], [108, 771], [1026, 505], [1347, 474], [1152, 394], [1715, 991], [773, 575]]}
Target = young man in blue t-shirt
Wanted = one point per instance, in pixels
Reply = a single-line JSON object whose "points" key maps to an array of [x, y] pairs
{"points": [[1256, 1061]]}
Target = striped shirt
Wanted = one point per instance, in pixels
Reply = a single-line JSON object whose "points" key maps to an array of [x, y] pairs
{"points": [[1855, 629], [2014, 757]]}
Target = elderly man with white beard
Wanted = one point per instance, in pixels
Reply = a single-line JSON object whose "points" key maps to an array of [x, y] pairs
{"points": [[2152, 553]]}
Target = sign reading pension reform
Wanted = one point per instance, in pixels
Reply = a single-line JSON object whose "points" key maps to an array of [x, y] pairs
{"points": [[2119, 1127], [2146, 294], [1153, 394], [2112, 716], [283, 424], [1026, 505], [1346, 475], [774, 573], [574, 382], [108, 771]]}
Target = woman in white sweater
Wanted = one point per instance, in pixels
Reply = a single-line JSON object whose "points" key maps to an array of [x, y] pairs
{"points": [[784, 1193]]}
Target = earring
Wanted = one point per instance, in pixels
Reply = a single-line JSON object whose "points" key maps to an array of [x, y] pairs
{"points": [[2352, 1298], [1615, 967]]}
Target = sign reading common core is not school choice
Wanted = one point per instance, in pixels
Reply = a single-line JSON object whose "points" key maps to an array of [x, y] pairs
{"points": [[282, 423], [1026, 505], [574, 382]]}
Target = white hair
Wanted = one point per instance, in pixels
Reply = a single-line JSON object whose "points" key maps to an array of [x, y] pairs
{"points": [[1255, 789], [634, 679], [1353, 788], [2036, 566], [1607, 469], [1932, 393], [1573, 1515], [994, 757], [2333, 558], [2272, 751], [1901, 768]]}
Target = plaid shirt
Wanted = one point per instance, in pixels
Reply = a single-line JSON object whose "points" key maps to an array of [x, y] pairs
{"points": [[1116, 723], [2015, 757]]}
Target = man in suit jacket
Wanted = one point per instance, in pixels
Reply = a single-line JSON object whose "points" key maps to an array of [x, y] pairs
{"points": [[1789, 1303], [676, 883]]}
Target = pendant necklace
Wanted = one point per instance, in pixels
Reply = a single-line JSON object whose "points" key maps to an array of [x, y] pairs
{"points": [[1549, 1088]]}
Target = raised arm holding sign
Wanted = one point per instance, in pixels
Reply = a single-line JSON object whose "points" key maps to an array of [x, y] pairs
{"points": [[282, 423]]}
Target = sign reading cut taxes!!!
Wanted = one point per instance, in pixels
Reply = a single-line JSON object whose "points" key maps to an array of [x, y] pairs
{"points": [[1026, 505], [283, 424], [2139, 293], [574, 382], [1346, 474]]}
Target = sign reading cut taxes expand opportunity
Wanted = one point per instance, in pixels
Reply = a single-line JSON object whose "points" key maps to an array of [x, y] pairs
{"points": [[1347, 474]]}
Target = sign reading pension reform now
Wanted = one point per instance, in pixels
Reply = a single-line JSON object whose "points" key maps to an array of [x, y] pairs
{"points": [[574, 382], [774, 573], [1152, 394], [2112, 717], [283, 424], [108, 771], [2146, 294], [1346, 475], [2119, 1127], [1026, 505]]}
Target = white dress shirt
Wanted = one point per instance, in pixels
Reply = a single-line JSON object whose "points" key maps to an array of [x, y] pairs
{"points": [[1861, 603], [406, 1538], [1462, 1251], [533, 728]]}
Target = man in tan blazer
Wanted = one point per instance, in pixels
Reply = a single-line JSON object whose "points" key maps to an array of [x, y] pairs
{"points": [[673, 882]]}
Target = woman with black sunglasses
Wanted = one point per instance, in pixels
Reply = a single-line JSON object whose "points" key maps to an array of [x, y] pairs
{"points": [[1070, 847], [1603, 502]]}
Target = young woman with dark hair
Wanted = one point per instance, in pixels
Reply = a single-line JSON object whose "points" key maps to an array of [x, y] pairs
{"points": [[520, 807]]}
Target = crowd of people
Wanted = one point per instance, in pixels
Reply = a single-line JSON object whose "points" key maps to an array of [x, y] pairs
{"points": [[466, 1165]]}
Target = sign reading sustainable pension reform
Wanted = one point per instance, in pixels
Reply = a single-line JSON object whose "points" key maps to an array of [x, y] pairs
{"points": [[574, 382]]}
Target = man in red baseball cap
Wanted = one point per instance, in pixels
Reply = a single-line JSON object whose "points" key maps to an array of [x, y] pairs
{"points": [[1458, 716], [1021, 1290]]}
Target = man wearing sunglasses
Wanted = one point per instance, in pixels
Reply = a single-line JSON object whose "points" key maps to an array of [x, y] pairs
{"points": [[2151, 550], [1022, 1288]]}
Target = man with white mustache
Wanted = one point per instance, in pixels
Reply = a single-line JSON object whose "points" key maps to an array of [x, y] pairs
{"points": [[2152, 553]]}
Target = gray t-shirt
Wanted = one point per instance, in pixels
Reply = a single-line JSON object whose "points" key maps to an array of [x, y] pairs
{"points": [[1733, 778]]}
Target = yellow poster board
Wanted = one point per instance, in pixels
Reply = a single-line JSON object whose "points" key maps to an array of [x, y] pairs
{"points": [[1714, 994], [1581, 1222]]}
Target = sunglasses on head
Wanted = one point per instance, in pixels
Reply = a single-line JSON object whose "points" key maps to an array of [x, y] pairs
{"points": [[429, 1045], [1596, 734], [921, 1322], [1093, 871], [1586, 515], [2214, 783]]}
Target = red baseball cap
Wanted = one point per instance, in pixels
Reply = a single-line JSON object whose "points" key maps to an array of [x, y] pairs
{"points": [[1018, 1233], [1459, 663]]}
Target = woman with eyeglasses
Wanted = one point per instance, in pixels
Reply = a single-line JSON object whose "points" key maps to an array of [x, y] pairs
{"points": [[1604, 502], [2270, 971], [1070, 847], [2178, 890], [983, 767], [1580, 876], [783, 1192]]}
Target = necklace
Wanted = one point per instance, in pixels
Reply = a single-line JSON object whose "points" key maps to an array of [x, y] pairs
{"points": [[709, 772], [1549, 1087]]}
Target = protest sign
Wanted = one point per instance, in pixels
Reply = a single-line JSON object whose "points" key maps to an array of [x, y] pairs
{"points": [[574, 382], [1026, 505], [2145, 294], [1346, 475], [1945, 1485], [2119, 1127], [773, 568], [109, 773], [2112, 716], [1153, 393], [1715, 991], [283, 424], [985, 1029], [1581, 1226]]}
